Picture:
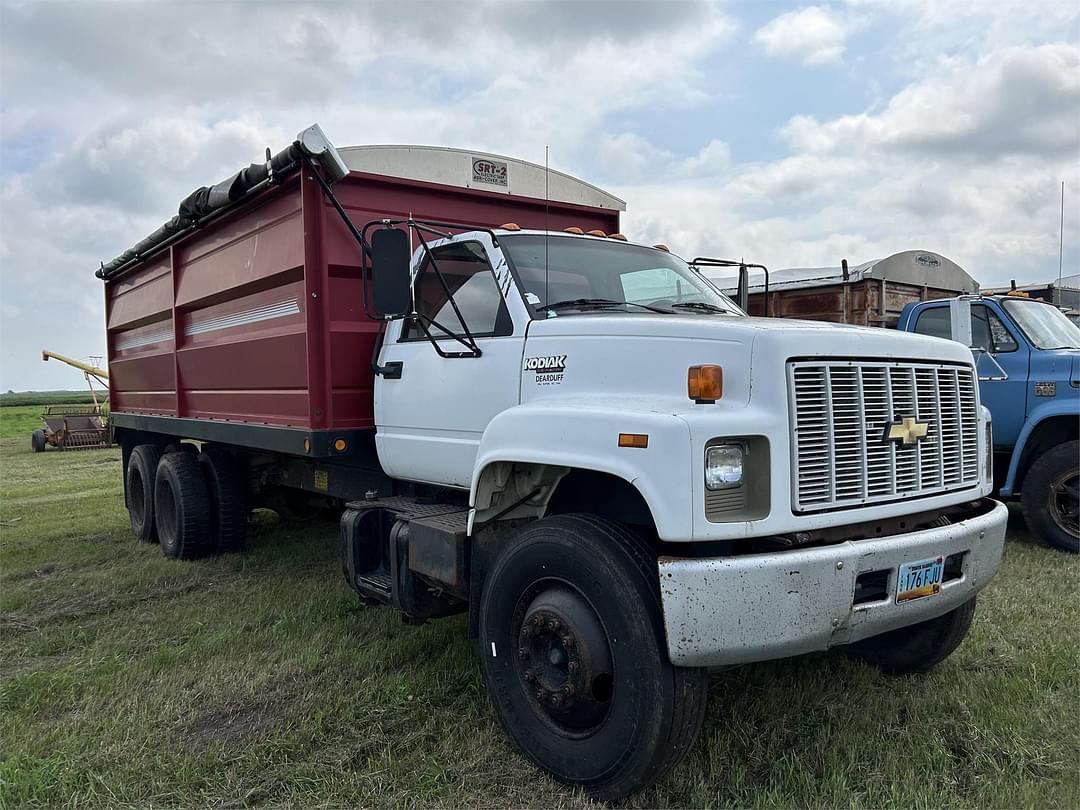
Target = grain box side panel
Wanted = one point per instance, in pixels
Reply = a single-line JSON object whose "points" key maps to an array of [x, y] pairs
{"points": [[138, 318], [241, 315]]}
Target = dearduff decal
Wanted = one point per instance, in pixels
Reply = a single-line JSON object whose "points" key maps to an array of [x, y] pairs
{"points": [[548, 370]]}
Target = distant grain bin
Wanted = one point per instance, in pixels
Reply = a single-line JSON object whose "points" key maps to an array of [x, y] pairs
{"points": [[869, 294]]}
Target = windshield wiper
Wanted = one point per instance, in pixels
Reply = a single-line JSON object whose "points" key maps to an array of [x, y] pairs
{"points": [[701, 306], [598, 303]]}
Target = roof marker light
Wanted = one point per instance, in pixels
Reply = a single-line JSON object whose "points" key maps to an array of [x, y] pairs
{"points": [[663, 248], [597, 233], [510, 226], [574, 229], [618, 236]]}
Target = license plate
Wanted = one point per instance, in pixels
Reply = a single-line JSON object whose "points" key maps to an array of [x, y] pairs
{"points": [[918, 579]]}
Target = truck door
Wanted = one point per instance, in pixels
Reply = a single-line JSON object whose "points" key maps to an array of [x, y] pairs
{"points": [[431, 419], [1006, 398]]}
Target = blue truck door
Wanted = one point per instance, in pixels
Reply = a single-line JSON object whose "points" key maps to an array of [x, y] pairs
{"points": [[1006, 398]]}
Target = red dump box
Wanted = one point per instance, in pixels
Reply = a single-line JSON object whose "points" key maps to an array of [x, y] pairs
{"points": [[257, 316]]}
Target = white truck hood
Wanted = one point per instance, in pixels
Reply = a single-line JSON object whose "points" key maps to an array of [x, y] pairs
{"points": [[787, 337]]}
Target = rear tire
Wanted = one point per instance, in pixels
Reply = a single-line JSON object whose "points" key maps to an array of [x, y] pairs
{"points": [[1051, 499], [574, 657], [182, 507], [37, 441], [140, 475], [916, 648], [228, 499]]}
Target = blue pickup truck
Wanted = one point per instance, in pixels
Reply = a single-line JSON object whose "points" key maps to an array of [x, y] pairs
{"points": [[1027, 353], [1028, 359]]}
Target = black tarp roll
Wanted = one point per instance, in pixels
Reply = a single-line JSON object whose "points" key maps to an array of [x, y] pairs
{"points": [[204, 202]]}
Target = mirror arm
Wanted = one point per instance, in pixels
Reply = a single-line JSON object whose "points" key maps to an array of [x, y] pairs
{"points": [[468, 341], [423, 321]]}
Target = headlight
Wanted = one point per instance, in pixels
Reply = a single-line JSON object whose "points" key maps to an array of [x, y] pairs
{"points": [[724, 466]]}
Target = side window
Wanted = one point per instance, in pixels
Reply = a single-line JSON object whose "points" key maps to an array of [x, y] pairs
{"points": [[935, 322], [998, 338], [987, 330], [469, 278]]}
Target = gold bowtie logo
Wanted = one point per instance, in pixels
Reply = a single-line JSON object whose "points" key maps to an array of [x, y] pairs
{"points": [[906, 431]]}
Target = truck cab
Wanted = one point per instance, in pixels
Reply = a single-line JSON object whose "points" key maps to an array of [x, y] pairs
{"points": [[1028, 359]]}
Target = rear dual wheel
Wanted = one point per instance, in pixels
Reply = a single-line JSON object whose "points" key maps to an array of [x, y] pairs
{"points": [[574, 657], [193, 504]]}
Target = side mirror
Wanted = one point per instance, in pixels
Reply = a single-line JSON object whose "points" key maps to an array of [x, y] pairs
{"points": [[744, 289], [390, 272]]}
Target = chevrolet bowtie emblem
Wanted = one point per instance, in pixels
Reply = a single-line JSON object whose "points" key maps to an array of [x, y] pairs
{"points": [[906, 431]]}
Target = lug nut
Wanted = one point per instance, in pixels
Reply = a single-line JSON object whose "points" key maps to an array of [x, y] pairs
{"points": [[523, 653], [572, 667]]}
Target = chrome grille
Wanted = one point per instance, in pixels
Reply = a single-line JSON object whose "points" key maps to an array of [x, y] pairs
{"points": [[840, 412]]}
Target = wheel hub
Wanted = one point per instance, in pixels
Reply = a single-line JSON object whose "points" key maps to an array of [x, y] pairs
{"points": [[564, 659]]}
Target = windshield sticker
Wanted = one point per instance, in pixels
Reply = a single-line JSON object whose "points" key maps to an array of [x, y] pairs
{"points": [[549, 370]]}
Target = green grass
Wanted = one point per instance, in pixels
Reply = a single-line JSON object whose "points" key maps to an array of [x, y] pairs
{"points": [[258, 679]]}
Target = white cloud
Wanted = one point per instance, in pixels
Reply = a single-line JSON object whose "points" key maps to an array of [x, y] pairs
{"points": [[714, 158], [813, 35], [1018, 100]]}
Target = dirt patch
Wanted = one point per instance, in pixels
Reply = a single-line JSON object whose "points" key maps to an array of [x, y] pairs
{"points": [[232, 726]]}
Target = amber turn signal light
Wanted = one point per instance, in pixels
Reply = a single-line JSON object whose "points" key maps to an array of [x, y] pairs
{"points": [[634, 440], [339, 445], [705, 384]]}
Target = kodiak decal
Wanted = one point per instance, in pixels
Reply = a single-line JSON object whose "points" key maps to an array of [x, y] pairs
{"points": [[549, 370]]}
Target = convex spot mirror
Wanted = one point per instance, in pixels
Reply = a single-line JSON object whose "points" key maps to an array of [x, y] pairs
{"points": [[390, 272]]}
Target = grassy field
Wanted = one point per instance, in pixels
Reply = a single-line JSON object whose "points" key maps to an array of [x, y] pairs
{"points": [[258, 679]]}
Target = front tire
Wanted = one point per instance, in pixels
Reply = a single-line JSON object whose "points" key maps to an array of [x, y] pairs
{"points": [[1051, 499], [37, 441], [917, 648], [574, 657]]}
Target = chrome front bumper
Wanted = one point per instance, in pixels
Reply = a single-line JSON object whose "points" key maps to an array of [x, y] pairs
{"points": [[756, 607]]}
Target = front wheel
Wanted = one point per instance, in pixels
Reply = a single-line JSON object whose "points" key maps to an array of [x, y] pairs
{"points": [[1051, 497], [916, 648], [38, 441], [574, 657]]}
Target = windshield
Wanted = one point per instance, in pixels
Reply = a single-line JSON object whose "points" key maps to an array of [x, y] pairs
{"points": [[1044, 324], [562, 274]]}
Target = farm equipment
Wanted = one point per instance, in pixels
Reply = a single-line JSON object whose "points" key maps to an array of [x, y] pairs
{"points": [[74, 427]]}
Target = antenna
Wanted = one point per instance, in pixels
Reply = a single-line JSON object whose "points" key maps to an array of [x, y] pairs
{"points": [[1061, 232], [547, 224]]}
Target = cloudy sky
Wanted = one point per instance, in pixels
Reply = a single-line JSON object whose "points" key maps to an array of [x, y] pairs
{"points": [[789, 134]]}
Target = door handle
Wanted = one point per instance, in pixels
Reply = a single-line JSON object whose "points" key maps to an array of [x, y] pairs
{"points": [[391, 371]]}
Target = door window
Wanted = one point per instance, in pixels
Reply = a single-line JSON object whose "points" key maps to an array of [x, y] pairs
{"points": [[468, 277], [987, 330]]}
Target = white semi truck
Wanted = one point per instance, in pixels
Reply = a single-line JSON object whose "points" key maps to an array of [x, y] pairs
{"points": [[577, 439]]}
